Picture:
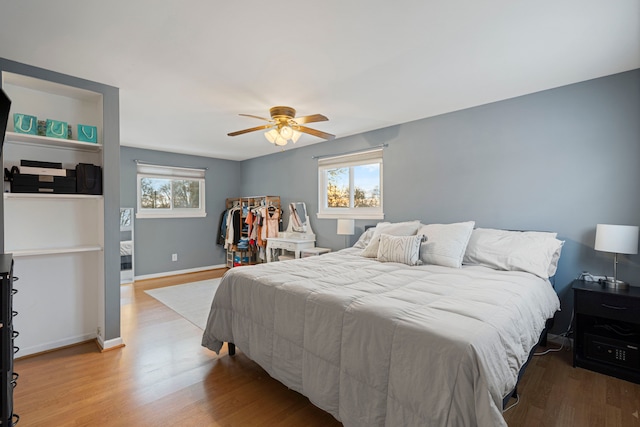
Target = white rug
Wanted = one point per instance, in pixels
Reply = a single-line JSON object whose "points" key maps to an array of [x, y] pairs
{"points": [[190, 300]]}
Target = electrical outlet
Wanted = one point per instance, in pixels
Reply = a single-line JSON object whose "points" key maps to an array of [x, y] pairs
{"points": [[174, 257]]}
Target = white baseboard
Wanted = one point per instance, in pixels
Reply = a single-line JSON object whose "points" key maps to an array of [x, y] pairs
{"points": [[109, 344], [177, 272], [54, 345]]}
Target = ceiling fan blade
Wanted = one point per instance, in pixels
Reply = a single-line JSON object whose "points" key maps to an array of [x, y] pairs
{"points": [[240, 132], [255, 117], [315, 132], [310, 119]]}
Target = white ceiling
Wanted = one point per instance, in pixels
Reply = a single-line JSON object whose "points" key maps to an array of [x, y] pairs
{"points": [[186, 69]]}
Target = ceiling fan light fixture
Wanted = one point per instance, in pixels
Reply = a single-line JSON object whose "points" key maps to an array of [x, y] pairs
{"points": [[281, 141], [286, 132], [282, 136], [272, 135], [284, 126], [296, 136]]}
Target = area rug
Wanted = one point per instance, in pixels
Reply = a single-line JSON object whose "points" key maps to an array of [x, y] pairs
{"points": [[190, 300]]}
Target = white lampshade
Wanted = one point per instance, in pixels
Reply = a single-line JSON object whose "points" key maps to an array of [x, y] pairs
{"points": [[619, 239], [346, 226]]}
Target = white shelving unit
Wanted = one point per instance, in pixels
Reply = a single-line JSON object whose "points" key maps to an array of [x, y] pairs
{"points": [[57, 239], [44, 141]]}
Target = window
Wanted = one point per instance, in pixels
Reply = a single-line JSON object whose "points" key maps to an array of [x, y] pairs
{"points": [[350, 186], [166, 192]]}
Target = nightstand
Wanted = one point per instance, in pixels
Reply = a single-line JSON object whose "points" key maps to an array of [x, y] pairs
{"points": [[607, 330]]}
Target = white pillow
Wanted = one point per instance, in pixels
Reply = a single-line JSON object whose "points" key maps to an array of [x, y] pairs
{"points": [[446, 243], [407, 228], [365, 238], [404, 249], [531, 251]]}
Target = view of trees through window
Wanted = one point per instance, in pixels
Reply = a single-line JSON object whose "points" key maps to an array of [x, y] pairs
{"points": [[160, 193], [365, 191]]}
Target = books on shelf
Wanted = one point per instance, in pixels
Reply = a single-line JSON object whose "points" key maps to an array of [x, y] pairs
{"points": [[41, 164], [37, 167], [30, 170]]}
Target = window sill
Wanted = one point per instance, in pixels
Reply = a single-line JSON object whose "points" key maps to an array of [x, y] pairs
{"points": [[167, 215], [350, 215]]}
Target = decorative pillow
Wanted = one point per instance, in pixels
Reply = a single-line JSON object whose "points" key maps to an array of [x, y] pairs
{"points": [[407, 228], [445, 243], [365, 237], [531, 251], [404, 249]]}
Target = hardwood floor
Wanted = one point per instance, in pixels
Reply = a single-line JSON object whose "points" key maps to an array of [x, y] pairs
{"points": [[553, 393], [163, 377]]}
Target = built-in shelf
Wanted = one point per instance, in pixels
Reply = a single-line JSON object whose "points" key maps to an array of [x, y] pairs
{"points": [[50, 196], [45, 141], [60, 241], [54, 251]]}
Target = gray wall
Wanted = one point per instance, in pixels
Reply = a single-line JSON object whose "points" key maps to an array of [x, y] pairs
{"points": [[193, 239], [560, 160]]}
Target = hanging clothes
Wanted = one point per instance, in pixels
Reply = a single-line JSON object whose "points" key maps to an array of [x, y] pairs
{"points": [[273, 221], [249, 222], [233, 227], [222, 228]]}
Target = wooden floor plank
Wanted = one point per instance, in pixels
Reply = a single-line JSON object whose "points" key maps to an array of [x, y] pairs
{"points": [[163, 377]]}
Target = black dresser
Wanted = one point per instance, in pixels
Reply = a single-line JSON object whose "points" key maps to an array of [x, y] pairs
{"points": [[8, 378]]}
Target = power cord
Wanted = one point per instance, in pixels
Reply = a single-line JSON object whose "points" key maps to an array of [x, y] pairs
{"points": [[565, 336], [513, 404]]}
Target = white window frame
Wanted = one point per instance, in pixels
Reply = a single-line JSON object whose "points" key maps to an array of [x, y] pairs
{"points": [[348, 161], [171, 173]]}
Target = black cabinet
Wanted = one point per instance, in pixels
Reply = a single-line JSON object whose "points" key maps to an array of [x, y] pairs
{"points": [[8, 378], [607, 330]]}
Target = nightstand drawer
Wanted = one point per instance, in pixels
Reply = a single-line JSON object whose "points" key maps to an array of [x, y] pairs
{"points": [[609, 306]]}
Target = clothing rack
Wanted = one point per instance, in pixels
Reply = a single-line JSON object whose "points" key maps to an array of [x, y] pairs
{"points": [[238, 255]]}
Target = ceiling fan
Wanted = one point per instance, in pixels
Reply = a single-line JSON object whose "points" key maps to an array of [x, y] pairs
{"points": [[284, 126]]}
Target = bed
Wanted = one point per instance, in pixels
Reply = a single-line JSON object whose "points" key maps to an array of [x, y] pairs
{"points": [[391, 343], [126, 252]]}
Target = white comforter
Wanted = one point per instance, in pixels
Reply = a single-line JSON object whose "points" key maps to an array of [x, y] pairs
{"points": [[385, 344]]}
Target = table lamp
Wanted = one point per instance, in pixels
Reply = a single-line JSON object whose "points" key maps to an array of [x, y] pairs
{"points": [[346, 227], [619, 239]]}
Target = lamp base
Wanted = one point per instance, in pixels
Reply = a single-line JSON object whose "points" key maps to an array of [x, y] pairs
{"points": [[610, 282]]}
